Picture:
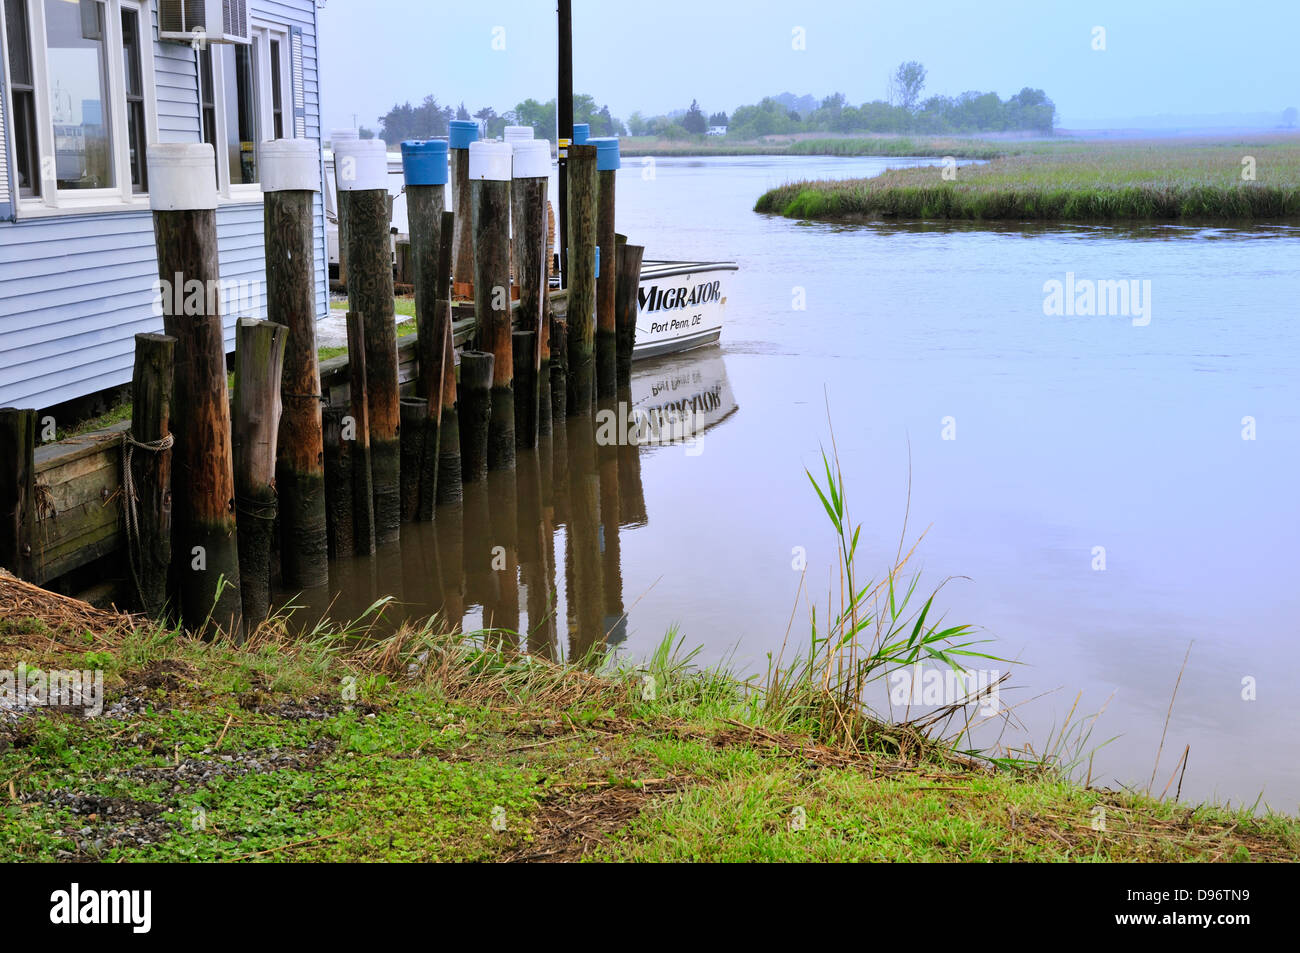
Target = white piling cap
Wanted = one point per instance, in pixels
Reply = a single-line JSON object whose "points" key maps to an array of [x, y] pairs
{"points": [[490, 160], [361, 165], [290, 165], [182, 175], [532, 158], [518, 133]]}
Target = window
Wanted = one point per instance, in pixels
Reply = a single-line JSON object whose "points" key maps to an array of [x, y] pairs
{"points": [[241, 104], [80, 88], [277, 98], [77, 63], [23, 92], [137, 138]]}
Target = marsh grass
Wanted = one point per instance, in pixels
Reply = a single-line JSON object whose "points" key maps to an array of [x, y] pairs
{"points": [[1190, 181]]}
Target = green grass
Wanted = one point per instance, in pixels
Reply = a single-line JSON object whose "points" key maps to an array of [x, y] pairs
{"points": [[635, 146], [403, 307], [1071, 181], [261, 752]]}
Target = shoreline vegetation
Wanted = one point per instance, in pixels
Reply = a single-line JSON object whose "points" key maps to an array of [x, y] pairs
{"points": [[347, 742], [1252, 179], [424, 746]]}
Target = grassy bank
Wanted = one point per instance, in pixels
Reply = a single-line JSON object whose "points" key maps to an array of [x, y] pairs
{"points": [[1071, 182], [632, 146], [425, 746]]}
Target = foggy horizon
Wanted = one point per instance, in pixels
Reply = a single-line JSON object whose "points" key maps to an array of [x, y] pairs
{"points": [[1165, 65]]}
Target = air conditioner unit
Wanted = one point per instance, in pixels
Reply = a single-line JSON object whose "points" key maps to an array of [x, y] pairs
{"points": [[203, 21]]}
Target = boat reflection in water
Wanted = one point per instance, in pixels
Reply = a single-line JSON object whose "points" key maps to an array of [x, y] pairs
{"points": [[536, 553]]}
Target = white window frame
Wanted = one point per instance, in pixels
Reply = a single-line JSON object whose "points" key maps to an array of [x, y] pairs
{"points": [[262, 33], [122, 196]]}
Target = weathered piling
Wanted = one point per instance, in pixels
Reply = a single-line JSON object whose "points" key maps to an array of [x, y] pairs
{"points": [[414, 436], [580, 317], [356, 428], [532, 167], [559, 334], [448, 488], [474, 401], [290, 180], [424, 166], [259, 361], [362, 173], [625, 306], [338, 483], [338, 138], [607, 164], [147, 464], [524, 356], [489, 172], [17, 490], [462, 133], [183, 196]]}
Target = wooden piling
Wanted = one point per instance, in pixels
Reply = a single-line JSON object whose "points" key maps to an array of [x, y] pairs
{"points": [[149, 512], [448, 485], [474, 400], [532, 166], [524, 353], [414, 437], [17, 490], [559, 335], [363, 188], [338, 483], [425, 169], [183, 196], [290, 181], [607, 163], [489, 170], [363, 499], [462, 134], [626, 305], [259, 362], [580, 317]]}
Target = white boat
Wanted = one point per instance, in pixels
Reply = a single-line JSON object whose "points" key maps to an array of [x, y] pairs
{"points": [[681, 305]]}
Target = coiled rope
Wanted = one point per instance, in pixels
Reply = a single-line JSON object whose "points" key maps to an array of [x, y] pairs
{"points": [[129, 446]]}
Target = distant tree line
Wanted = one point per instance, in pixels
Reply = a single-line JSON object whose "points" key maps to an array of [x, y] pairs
{"points": [[903, 111], [430, 119]]}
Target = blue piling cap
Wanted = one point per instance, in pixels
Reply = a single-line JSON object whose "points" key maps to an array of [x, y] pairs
{"points": [[606, 153], [597, 261], [424, 161], [463, 132], [581, 133]]}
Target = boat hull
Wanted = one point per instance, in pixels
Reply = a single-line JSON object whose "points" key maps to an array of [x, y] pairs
{"points": [[680, 306]]}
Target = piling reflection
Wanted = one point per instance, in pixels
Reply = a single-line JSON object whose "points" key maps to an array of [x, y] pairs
{"points": [[540, 548]]}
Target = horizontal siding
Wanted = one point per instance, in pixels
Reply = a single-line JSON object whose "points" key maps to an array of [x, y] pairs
{"points": [[75, 290]]}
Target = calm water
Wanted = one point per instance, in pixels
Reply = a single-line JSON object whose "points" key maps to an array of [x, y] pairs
{"points": [[1071, 433]]}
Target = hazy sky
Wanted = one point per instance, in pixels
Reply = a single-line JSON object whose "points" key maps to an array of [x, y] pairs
{"points": [[1183, 57]]}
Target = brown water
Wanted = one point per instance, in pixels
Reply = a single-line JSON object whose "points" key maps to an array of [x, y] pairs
{"points": [[1071, 433]]}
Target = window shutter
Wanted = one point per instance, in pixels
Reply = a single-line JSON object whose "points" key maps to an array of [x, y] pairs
{"points": [[299, 90]]}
